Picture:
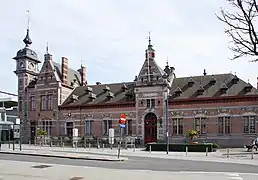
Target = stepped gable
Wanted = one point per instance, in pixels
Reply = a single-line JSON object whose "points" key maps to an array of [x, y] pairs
{"points": [[100, 94], [211, 88]]}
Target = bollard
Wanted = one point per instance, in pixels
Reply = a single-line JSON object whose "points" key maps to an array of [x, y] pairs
{"points": [[51, 144], [228, 153], [89, 146], [150, 149], [29, 143], [63, 144], [206, 151], [186, 150], [133, 148], [252, 155], [103, 146]]}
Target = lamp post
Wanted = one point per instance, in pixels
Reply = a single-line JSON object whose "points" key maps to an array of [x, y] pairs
{"points": [[166, 118]]}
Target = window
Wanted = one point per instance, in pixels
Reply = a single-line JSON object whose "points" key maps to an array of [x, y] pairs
{"points": [[43, 100], [178, 126], [224, 125], [69, 129], [200, 125], [249, 124], [50, 101], [88, 127], [32, 103], [46, 126], [107, 126], [129, 127], [150, 103]]}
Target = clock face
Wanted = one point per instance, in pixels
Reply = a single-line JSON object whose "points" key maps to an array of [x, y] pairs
{"points": [[21, 64], [31, 66]]}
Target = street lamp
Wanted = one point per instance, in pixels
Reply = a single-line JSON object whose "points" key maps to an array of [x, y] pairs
{"points": [[166, 119]]}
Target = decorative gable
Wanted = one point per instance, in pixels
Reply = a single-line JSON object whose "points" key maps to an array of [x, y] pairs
{"points": [[150, 73]]}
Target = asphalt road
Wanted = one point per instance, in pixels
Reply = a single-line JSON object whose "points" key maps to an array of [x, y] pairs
{"points": [[142, 163]]}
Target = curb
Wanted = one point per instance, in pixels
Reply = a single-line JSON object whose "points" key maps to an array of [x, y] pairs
{"points": [[63, 157]]}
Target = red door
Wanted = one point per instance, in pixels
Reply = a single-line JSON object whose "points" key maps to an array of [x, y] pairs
{"points": [[150, 128]]}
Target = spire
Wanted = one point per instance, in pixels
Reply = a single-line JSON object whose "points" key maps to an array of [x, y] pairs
{"points": [[47, 48], [150, 45], [27, 39], [167, 62]]}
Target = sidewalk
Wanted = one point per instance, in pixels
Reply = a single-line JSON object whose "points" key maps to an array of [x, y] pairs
{"points": [[218, 156], [47, 152]]}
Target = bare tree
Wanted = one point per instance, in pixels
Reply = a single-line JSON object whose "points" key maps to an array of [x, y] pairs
{"points": [[241, 21]]}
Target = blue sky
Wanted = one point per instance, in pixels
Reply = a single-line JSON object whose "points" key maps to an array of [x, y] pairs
{"points": [[110, 37]]}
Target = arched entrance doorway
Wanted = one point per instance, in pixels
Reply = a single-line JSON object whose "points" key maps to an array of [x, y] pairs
{"points": [[150, 128]]}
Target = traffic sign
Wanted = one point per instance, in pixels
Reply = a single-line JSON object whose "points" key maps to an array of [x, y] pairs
{"points": [[122, 121]]}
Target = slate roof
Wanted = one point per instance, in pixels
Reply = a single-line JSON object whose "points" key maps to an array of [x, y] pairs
{"points": [[209, 89], [72, 74], [117, 90], [208, 86]]}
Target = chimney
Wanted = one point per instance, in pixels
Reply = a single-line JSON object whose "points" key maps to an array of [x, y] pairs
{"points": [[82, 72], [204, 72], [64, 70]]}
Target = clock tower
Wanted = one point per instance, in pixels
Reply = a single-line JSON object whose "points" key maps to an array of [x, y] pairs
{"points": [[26, 64], [26, 70]]}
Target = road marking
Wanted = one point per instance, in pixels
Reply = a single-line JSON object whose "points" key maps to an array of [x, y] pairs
{"points": [[235, 176]]}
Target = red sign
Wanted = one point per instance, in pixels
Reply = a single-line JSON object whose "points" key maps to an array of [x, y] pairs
{"points": [[122, 119]]}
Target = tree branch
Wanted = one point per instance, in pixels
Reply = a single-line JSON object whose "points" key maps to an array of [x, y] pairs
{"points": [[241, 28]]}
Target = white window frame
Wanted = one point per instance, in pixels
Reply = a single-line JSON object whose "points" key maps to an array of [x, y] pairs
{"points": [[107, 122], [200, 119], [223, 124], [177, 120], [88, 126], [251, 119]]}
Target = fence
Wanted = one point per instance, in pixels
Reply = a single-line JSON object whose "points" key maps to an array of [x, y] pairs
{"points": [[94, 142]]}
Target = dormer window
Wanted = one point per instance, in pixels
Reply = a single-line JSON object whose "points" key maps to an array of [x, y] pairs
{"points": [[110, 95], [74, 98], [248, 87], [223, 88], [92, 96], [178, 91], [190, 82], [200, 90], [213, 80], [106, 88], [235, 79], [124, 87]]}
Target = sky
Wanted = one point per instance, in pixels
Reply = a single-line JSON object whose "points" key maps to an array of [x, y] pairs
{"points": [[110, 37]]}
